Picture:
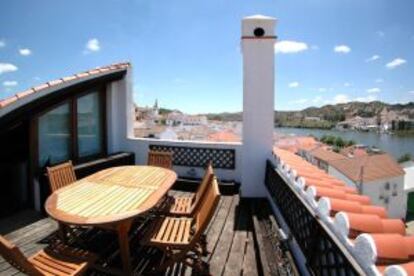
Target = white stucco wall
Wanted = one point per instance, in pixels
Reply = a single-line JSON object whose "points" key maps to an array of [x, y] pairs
{"points": [[397, 197], [334, 172], [397, 204]]}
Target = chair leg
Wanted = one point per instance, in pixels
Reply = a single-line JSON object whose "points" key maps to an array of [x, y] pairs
{"points": [[203, 243]]}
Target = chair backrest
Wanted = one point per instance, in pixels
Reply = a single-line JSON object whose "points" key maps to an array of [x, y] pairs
{"points": [[15, 257], [61, 175], [160, 159], [206, 209], [205, 182]]}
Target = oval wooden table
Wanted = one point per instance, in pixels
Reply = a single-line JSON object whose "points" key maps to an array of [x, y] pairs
{"points": [[111, 199]]}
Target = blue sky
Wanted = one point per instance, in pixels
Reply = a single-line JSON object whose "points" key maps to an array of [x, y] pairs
{"points": [[186, 53]]}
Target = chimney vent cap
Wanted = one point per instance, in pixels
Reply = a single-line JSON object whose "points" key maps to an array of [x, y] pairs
{"points": [[258, 26]]}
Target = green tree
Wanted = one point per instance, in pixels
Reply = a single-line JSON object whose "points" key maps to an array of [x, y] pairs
{"points": [[339, 142], [350, 143]]}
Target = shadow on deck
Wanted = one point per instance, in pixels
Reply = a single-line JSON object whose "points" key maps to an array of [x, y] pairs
{"points": [[237, 237]]}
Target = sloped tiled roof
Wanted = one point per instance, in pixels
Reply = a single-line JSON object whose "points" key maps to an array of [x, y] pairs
{"points": [[368, 168], [353, 151], [64, 80], [294, 144], [326, 155], [223, 136], [379, 243]]}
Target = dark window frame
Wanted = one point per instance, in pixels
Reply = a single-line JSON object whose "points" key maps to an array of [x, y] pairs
{"points": [[72, 100]]}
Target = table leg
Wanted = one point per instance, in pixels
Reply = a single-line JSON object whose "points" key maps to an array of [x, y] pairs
{"points": [[123, 240], [62, 232]]}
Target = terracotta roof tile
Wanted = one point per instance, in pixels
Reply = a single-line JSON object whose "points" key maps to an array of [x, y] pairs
{"points": [[368, 168], [102, 70], [25, 93], [326, 155], [94, 71], [223, 136], [55, 82], [338, 194], [69, 78], [387, 251], [356, 224], [40, 87], [20, 95], [8, 101], [82, 75], [380, 241]]}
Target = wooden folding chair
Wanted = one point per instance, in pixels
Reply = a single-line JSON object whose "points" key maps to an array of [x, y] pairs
{"points": [[61, 175], [186, 205], [160, 159], [60, 260], [181, 238]]}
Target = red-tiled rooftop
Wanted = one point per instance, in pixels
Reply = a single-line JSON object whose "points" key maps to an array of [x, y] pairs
{"points": [[223, 136], [294, 144], [373, 167], [76, 77], [326, 155], [380, 243]]}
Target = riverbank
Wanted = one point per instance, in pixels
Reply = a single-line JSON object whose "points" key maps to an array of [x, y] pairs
{"points": [[395, 145]]}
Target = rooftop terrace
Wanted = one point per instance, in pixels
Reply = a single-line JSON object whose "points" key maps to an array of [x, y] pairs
{"points": [[238, 241]]}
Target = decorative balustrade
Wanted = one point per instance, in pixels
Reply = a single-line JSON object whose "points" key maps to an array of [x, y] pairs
{"points": [[324, 253], [221, 158]]}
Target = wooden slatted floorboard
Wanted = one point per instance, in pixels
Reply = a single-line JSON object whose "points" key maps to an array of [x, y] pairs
{"points": [[230, 237]]}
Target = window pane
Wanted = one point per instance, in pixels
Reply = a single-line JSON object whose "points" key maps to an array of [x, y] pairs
{"points": [[54, 135], [89, 125]]}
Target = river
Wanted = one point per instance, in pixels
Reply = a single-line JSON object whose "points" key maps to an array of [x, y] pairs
{"points": [[393, 144]]}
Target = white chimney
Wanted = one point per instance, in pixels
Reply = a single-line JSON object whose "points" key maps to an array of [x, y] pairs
{"points": [[258, 39]]}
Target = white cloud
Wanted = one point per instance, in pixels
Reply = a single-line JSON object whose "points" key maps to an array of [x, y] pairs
{"points": [[369, 98], [93, 45], [10, 83], [7, 67], [379, 80], [290, 47], [342, 49], [341, 98], [374, 90], [373, 58], [322, 89], [294, 84], [395, 63], [2, 43], [25, 52]]}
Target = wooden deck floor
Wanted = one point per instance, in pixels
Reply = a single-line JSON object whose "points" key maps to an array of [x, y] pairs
{"points": [[230, 237]]}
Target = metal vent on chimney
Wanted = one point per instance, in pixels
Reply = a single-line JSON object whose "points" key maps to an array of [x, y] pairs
{"points": [[259, 32]]}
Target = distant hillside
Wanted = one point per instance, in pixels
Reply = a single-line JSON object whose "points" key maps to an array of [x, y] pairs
{"points": [[329, 114], [225, 116]]}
